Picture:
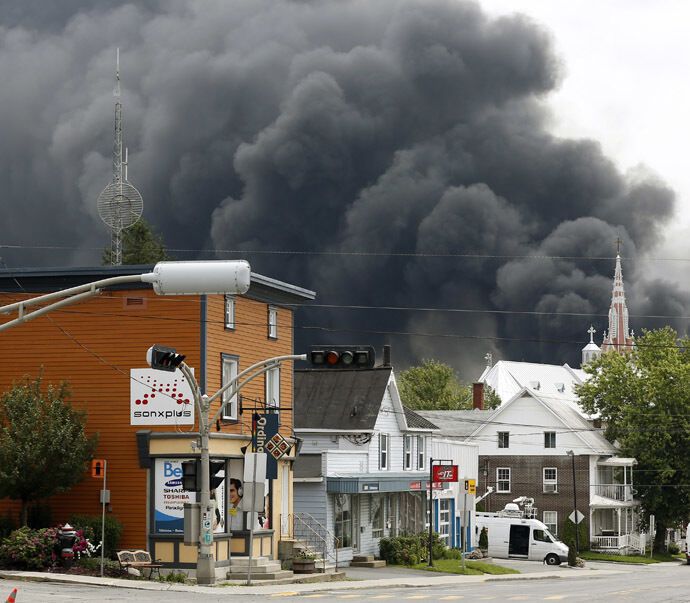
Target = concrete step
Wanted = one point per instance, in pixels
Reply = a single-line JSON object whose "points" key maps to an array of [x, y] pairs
{"points": [[361, 558], [279, 575], [374, 563], [268, 568], [256, 561]]}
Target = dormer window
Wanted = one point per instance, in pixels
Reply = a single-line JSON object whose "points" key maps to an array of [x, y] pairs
{"points": [[534, 384], [560, 387]]}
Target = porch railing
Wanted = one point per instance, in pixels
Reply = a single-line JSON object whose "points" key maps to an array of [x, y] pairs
{"points": [[315, 536], [622, 492], [611, 542]]}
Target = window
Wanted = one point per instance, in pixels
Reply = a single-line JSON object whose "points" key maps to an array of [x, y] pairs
{"points": [[503, 439], [273, 388], [272, 322], [444, 520], [549, 439], [421, 452], [550, 479], [229, 372], [377, 516], [503, 479], [343, 520], [229, 312], [540, 536], [383, 451], [407, 452], [551, 521]]}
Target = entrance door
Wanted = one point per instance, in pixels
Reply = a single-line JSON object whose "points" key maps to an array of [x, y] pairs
{"points": [[356, 502], [285, 501], [519, 541]]}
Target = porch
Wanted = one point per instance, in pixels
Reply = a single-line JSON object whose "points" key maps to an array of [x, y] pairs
{"points": [[615, 529]]}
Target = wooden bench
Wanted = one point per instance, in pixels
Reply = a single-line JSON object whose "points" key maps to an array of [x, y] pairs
{"points": [[138, 560]]}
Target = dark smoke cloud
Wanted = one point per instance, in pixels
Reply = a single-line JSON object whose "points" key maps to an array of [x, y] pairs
{"points": [[388, 127]]}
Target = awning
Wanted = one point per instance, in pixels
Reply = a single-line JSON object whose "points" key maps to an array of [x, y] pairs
{"points": [[617, 461], [601, 502], [365, 484]]}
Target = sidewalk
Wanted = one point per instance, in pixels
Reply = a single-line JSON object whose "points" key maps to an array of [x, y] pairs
{"points": [[390, 577]]}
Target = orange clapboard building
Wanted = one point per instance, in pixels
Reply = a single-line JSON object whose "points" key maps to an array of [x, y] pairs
{"points": [[99, 347]]}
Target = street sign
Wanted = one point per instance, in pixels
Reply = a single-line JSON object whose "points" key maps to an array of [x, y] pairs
{"points": [[471, 486], [576, 517], [445, 473], [98, 468]]}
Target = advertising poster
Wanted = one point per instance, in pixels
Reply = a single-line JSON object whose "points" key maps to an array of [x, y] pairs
{"points": [[170, 497], [160, 398]]}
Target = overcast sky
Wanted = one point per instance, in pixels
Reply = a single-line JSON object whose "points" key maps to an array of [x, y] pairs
{"points": [[473, 157]]}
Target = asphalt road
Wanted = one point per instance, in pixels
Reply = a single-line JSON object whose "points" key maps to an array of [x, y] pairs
{"points": [[649, 584]]}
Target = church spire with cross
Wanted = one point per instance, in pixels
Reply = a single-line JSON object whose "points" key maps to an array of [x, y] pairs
{"points": [[619, 337]]}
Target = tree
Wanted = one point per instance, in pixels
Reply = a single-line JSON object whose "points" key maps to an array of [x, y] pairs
{"points": [[435, 386], [643, 398], [140, 245], [44, 448]]}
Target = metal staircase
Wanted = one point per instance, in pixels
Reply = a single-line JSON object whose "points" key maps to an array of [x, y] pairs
{"points": [[313, 537]]}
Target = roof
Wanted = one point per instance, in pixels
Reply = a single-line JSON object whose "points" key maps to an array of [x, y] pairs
{"points": [[337, 399], [42, 280], [457, 423], [417, 421]]}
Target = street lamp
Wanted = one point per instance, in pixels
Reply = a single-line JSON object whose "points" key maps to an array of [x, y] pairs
{"points": [[167, 278], [571, 454], [205, 565]]}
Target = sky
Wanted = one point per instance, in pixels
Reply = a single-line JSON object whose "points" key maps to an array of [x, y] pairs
{"points": [[448, 176]]}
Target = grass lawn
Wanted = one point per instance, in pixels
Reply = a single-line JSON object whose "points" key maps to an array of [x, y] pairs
{"points": [[657, 558], [472, 568]]}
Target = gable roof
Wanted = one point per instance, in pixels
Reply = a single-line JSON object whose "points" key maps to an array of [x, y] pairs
{"points": [[457, 423], [340, 400], [507, 378], [416, 420]]}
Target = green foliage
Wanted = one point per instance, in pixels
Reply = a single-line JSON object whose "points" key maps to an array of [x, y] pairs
{"points": [[673, 548], [140, 245], [29, 549], [179, 577], [484, 539], [402, 550], [44, 448], [91, 524], [438, 548], [582, 533], [643, 398], [452, 554], [572, 554], [594, 556]]}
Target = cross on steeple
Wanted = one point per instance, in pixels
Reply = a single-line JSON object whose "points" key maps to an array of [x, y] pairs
{"points": [[591, 332], [619, 242]]}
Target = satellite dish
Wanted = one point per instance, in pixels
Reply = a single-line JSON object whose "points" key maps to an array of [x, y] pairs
{"points": [[120, 205]]}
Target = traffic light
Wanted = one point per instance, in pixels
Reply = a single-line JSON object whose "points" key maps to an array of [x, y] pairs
{"points": [[342, 356], [191, 476], [163, 358], [215, 467]]}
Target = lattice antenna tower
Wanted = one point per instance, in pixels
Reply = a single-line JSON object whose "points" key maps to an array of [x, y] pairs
{"points": [[120, 205]]}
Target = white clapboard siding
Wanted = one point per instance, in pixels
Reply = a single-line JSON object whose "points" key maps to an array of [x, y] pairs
{"points": [[344, 462]]}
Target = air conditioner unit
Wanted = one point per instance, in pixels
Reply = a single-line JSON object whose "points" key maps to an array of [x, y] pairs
{"points": [[550, 487]]}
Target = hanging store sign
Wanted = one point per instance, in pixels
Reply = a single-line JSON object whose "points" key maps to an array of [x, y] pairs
{"points": [[445, 473], [264, 430], [160, 398]]}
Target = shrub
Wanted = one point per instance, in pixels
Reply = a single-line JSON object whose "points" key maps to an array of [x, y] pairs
{"points": [[569, 533], [402, 550], [572, 555], [673, 548], [29, 549], [174, 577], [91, 525], [437, 546], [452, 554], [484, 539]]}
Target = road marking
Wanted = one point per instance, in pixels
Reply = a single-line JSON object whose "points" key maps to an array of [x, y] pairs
{"points": [[555, 597], [285, 594], [452, 598], [349, 596], [418, 597], [519, 598], [382, 597], [315, 596]]}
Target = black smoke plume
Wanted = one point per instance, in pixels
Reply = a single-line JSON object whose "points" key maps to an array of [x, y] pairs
{"points": [[382, 143]]}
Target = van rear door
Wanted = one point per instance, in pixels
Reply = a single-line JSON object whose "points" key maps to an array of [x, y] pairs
{"points": [[519, 541]]}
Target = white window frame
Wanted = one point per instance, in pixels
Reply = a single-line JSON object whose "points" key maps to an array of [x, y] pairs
{"points": [[506, 442], [230, 312], [502, 479], [549, 438], [550, 485], [421, 452], [272, 322], [272, 390], [444, 520], [551, 525], [229, 368], [384, 451], [378, 515], [407, 452]]}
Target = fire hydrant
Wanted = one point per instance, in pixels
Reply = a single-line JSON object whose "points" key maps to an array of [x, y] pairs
{"points": [[67, 536]]}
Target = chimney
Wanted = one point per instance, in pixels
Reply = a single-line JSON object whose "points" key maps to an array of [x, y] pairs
{"points": [[386, 355], [478, 396]]}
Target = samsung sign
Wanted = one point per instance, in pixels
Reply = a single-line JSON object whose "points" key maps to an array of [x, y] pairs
{"points": [[160, 398]]}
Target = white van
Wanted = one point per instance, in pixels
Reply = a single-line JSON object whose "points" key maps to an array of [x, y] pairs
{"points": [[521, 538]]}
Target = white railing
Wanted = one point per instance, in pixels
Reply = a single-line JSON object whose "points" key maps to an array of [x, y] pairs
{"points": [[623, 492], [611, 542]]}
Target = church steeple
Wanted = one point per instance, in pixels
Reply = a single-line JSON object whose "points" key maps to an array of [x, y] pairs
{"points": [[591, 350], [618, 337]]}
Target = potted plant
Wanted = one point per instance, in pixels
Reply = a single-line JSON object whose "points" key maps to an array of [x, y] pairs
{"points": [[304, 562]]}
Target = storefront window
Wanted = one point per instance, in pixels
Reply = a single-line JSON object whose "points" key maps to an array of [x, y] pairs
{"points": [[444, 520], [343, 520], [377, 516], [411, 509]]}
